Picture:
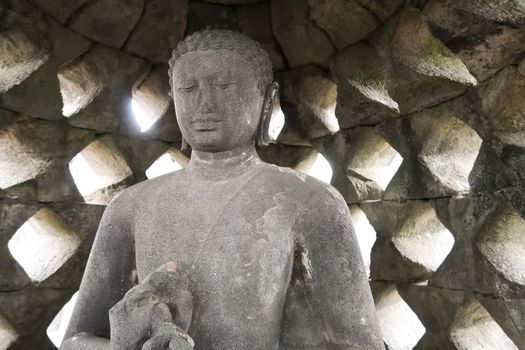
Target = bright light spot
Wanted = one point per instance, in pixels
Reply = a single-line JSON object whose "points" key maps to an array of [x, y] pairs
{"points": [[321, 169], [96, 167], [331, 122], [385, 176], [276, 123], [42, 245], [7, 334], [164, 165], [366, 235], [400, 326], [144, 120], [57, 328]]}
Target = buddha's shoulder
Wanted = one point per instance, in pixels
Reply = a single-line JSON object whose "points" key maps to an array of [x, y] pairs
{"points": [[301, 187]]}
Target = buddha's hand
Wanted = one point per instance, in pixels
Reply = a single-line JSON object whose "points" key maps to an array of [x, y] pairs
{"points": [[131, 318], [157, 309]]}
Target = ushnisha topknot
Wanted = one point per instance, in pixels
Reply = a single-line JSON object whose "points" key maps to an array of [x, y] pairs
{"points": [[222, 39]]}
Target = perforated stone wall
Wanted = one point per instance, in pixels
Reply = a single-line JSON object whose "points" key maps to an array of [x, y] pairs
{"points": [[418, 106]]}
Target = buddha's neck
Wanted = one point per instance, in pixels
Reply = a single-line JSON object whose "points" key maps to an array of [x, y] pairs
{"points": [[223, 165]]}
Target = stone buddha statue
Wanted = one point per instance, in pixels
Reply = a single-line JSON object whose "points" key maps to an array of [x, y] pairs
{"points": [[229, 253]]}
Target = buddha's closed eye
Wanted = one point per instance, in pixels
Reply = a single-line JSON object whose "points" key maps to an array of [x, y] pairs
{"points": [[225, 85], [188, 88]]}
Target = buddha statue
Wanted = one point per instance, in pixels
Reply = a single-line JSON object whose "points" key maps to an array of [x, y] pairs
{"points": [[229, 253]]}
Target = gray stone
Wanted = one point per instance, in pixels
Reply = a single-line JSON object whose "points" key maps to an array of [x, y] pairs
{"points": [[381, 9], [39, 95], [484, 46], [97, 89], [107, 21], [299, 158], [61, 10], [343, 20], [362, 98], [301, 40], [159, 30], [189, 242], [308, 100], [438, 147], [20, 58], [424, 71], [509, 11]]}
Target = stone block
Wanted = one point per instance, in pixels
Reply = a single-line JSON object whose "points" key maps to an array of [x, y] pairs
{"points": [[362, 98], [345, 21], [411, 241], [299, 158], [97, 89], [61, 10], [39, 94], [484, 46], [107, 21], [308, 100], [159, 30], [302, 41], [424, 72]]}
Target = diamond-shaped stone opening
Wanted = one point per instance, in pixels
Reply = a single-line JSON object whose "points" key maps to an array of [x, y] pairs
{"points": [[57, 328], [366, 235], [449, 151], [374, 158], [320, 169], [502, 242], [98, 166], [81, 80], [169, 162], [150, 99], [43, 244], [400, 326], [8, 334], [422, 238], [474, 329]]}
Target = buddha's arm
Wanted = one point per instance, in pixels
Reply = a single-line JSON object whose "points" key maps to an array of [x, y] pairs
{"points": [[341, 312], [106, 279]]}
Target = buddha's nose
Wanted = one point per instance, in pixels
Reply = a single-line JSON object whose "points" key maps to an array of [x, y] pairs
{"points": [[206, 107]]}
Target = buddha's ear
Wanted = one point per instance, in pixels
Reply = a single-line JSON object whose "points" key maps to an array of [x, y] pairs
{"points": [[263, 139]]}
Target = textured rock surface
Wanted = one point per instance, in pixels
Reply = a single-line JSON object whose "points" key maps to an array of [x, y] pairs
{"points": [[428, 97]]}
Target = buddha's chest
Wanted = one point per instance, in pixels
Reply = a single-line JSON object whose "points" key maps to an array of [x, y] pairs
{"points": [[235, 238]]}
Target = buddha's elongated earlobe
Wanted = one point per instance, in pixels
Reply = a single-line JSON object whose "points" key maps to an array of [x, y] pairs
{"points": [[263, 139]]}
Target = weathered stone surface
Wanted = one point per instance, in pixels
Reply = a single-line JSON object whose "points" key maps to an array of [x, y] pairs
{"points": [[381, 9], [256, 21], [61, 10], [345, 21], [484, 46], [438, 152], [38, 151], [233, 2], [20, 57], [101, 83], [302, 42], [299, 158], [362, 98], [411, 241], [253, 20], [510, 315], [308, 100], [509, 11], [39, 94], [32, 309], [108, 21], [152, 106], [467, 267], [424, 71], [159, 30], [362, 162], [13, 216]]}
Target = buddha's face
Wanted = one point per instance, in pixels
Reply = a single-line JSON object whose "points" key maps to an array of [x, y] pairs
{"points": [[217, 102]]}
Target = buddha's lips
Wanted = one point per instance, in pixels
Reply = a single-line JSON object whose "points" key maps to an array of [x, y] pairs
{"points": [[205, 124]]}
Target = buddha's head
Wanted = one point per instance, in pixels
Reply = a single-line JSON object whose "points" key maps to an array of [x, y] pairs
{"points": [[221, 82]]}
